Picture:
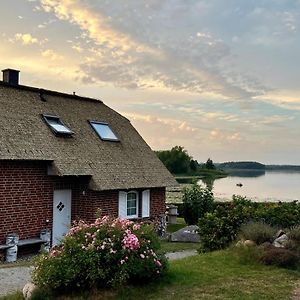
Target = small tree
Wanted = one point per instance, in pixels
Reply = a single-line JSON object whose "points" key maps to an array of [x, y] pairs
{"points": [[194, 165], [210, 165], [176, 160], [196, 202]]}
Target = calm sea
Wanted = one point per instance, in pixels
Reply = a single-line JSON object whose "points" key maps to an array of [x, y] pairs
{"points": [[259, 186]]}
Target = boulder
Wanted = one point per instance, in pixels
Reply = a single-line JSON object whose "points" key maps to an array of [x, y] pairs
{"points": [[279, 233], [186, 234], [28, 289], [281, 241], [239, 244], [249, 243]]}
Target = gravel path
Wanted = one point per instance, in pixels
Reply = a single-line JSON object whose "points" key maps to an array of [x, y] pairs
{"points": [[296, 292], [181, 254], [13, 279]]}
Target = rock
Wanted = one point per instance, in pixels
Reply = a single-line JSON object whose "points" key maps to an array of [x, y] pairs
{"points": [[186, 234], [249, 243], [279, 233], [239, 244], [281, 241], [28, 289]]}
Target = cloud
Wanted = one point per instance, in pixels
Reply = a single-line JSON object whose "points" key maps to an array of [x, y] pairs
{"points": [[26, 38], [51, 55], [224, 137], [276, 119], [137, 44], [287, 99]]}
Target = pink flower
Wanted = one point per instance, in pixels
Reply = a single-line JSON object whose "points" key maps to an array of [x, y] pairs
{"points": [[136, 227], [142, 255], [130, 241], [158, 263]]}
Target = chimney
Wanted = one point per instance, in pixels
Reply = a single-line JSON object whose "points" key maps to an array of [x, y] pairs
{"points": [[11, 76]]}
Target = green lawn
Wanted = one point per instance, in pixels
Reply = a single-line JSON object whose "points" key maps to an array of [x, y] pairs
{"points": [[177, 246], [216, 275], [174, 227]]}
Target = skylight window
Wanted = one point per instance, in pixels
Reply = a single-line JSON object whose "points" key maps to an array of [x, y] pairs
{"points": [[57, 126], [104, 131]]}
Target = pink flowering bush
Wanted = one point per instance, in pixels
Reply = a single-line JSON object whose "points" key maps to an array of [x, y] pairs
{"points": [[108, 252]]}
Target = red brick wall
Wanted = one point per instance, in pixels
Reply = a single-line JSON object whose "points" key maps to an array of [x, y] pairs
{"points": [[26, 198], [157, 202]]}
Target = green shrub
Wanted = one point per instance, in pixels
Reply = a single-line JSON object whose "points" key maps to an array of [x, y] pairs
{"points": [[196, 202], [248, 255], [294, 233], [280, 257], [220, 227], [109, 252], [293, 243], [258, 232], [281, 214]]}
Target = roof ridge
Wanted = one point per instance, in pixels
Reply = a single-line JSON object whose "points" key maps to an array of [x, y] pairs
{"points": [[49, 92]]}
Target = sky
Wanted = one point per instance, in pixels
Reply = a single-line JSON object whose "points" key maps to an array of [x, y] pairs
{"points": [[220, 78]]}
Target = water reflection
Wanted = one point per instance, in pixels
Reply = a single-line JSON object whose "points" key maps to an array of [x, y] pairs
{"points": [[247, 173], [259, 186]]}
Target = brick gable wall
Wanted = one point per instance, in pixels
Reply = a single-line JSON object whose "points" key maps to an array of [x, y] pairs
{"points": [[26, 198]]}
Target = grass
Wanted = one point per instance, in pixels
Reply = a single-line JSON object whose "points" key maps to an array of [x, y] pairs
{"points": [[174, 227], [177, 246], [15, 296], [215, 275], [18, 263]]}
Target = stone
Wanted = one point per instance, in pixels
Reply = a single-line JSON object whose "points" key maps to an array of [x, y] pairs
{"points": [[279, 233], [281, 241], [249, 243], [187, 234], [28, 290], [239, 244]]}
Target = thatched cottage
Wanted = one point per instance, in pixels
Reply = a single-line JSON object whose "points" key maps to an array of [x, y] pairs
{"points": [[63, 156]]}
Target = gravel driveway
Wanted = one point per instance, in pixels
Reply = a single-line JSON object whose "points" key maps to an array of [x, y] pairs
{"points": [[13, 279]]}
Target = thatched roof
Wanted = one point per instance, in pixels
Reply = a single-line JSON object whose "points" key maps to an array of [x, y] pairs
{"points": [[129, 163]]}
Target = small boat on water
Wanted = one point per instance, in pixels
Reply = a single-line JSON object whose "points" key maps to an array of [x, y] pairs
{"points": [[239, 184]]}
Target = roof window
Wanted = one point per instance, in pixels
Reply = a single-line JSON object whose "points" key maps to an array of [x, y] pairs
{"points": [[104, 131], [57, 125]]}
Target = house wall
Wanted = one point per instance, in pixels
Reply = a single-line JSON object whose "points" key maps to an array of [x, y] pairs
{"points": [[26, 199]]}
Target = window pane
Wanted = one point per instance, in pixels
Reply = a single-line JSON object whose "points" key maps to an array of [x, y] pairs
{"points": [[131, 204], [104, 131], [57, 125], [61, 128]]}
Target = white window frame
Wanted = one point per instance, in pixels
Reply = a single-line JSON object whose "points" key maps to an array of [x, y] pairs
{"points": [[123, 205]]}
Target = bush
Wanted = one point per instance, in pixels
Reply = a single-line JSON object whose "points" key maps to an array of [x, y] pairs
{"points": [[280, 257], [248, 255], [109, 252], [196, 202], [220, 227], [293, 243], [294, 234], [258, 232], [281, 214]]}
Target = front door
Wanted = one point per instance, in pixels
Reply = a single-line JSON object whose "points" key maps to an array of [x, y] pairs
{"points": [[61, 214]]}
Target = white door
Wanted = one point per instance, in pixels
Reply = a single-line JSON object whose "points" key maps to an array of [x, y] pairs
{"points": [[61, 214]]}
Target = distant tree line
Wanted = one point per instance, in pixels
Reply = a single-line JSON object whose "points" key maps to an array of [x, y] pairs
{"points": [[178, 161], [249, 165]]}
